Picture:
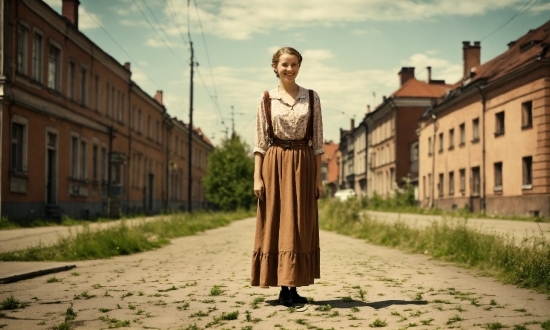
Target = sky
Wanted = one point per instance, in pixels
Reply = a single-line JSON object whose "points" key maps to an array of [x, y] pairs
{"points": [[352, 50]]}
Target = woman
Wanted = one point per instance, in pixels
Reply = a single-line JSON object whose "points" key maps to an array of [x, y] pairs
{"points": [[287, 181]]}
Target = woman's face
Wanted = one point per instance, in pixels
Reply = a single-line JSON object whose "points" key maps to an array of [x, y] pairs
{"points": [[288, 67]]}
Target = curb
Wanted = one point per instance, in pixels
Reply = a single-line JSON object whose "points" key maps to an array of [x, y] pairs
{"points": [[29, 275]]}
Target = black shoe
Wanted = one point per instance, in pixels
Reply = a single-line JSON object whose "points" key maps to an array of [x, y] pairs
{"points": [[285, 298], [296, 298]]}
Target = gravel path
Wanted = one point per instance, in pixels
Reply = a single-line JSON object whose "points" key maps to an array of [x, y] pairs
{"points": [[203, 280]]}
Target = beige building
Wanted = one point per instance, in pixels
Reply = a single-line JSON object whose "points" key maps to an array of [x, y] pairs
{"points": [[486, 145]]}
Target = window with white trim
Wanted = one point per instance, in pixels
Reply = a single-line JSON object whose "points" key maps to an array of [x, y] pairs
{"points": [[54, 69], [74, 156], [22, 41], [83, 86], [37, 51], [72, 81], [18, 159]]}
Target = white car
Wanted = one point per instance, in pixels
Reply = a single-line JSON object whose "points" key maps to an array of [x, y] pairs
{"points": [[344, 194]]}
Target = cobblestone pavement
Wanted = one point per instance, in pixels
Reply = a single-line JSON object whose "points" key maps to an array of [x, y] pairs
{"points": [[202, 281]]}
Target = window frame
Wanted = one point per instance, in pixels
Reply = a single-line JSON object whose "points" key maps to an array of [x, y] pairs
{"points": [[527, 172], [475, 130], [499, 123], [451, 183], [462, 131], [498, 177], [22, 50], [37, 56], [54, 83], [476, 181], [527, 111], [22, 150]]}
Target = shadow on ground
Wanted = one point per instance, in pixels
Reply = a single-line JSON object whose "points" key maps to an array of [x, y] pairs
{"points": [[339, 303]]}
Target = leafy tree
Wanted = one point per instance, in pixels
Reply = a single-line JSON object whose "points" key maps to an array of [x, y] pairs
{"points": [[229, 179]]}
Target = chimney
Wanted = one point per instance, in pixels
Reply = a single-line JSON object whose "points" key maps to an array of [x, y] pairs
{"points": [[511, 44], [429, 70], [70, 11], [471, 56], [405, 74], [352, 124], [368, 108], [158, 97], [127, 66]]}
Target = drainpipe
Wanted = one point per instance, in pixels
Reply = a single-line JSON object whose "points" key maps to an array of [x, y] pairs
{"points": [[130, 158], [432, 204], [109, 174], [483, 182]]}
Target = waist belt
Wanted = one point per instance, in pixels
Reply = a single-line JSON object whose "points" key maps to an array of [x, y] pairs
{"points": [[290, 144]]}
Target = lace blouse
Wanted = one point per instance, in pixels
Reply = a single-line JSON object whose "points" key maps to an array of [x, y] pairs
{"points": [[289, 121]]}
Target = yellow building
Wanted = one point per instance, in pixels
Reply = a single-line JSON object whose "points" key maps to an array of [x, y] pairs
{"points": [[486, 145]]}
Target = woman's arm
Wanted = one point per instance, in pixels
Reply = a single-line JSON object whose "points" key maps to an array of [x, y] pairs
{"points": [[259, 189], [318, 180]]}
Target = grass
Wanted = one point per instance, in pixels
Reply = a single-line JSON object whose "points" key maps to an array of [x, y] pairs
{"points": [[124, 239], [11, 303], [526, 264]]}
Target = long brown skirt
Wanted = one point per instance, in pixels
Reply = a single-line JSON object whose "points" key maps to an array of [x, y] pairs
{"points": [[286, 245]]}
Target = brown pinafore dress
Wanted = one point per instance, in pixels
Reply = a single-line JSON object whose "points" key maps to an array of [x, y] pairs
{"points": [[286, 245]]}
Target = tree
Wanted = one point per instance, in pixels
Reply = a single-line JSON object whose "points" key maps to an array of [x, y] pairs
{"points": [[229, 179]]}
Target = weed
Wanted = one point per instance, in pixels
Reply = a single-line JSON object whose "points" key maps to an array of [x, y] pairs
{"points": [[104, 310], [62, 326], [172, 288], [426, 322], [521, 310], [184, 306], [230, 316], [493, 302], [323, 308], [192, 327], [127, 294], [216, 290], [12, 303], [301, 321], [495, 326], [114, 323], [418, 296], [355, 309], [70, 314], [256, 301], [75, 274], [97, 286], [347, 299], [378, 323], [84, 295], [53, 280], [545, 325], [520, 327], [454, 319]]}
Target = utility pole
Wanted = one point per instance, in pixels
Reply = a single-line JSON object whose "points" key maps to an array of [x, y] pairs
{"points": [[190, 143], [233, 121]]}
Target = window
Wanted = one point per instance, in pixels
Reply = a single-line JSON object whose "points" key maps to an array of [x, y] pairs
{"points": [[112, 105], [462, 180], [451, 183], [74, 157], [527, 172], [71, 80], [37, 57], [497, 168], [499, 123], [414, 152], [440, 142], [83, 160], [121, 112], [476, 182], [96, 91], [22, 41], [430, 147], [430, 185], [18, 135], [107, 97], [139, 121], [83, 85], [440, 185], [149, 127], [451, 138], [95, 163], [527, 114], [54, 69], [157, 124], [105, 163], [475, 130], [462, 129]]}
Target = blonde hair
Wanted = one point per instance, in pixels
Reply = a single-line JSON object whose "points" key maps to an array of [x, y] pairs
{"points": [[285, 50]]}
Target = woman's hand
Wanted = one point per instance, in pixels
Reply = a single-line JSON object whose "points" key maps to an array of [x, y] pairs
{"points": [[319, 190], [259, 189]]}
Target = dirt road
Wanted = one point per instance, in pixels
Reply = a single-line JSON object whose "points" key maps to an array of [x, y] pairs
{"points": [[202, 282]]}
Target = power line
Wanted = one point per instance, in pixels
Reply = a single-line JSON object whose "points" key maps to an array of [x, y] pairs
{"points": [[158, 34], [519, 11], [155, 17], [176, 20]]}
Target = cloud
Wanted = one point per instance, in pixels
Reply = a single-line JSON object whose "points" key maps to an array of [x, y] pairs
{"points": [[441, 69], [87, 20], [241, 19]]}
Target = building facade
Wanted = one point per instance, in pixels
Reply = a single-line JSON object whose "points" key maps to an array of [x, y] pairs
{"points": [[392, 126], [486, 145], [79, 137]]}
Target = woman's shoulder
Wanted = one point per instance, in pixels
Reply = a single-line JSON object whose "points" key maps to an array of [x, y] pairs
{"points": [[273, 93]]}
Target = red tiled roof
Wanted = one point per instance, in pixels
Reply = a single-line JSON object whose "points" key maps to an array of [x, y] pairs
{"points": [[417, 88], [525, 50]]}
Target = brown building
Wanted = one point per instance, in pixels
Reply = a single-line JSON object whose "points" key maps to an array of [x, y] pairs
{"points": [[486, 145], [79, 137], [393, 142], [329, 167]]}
